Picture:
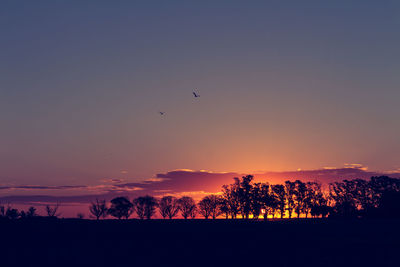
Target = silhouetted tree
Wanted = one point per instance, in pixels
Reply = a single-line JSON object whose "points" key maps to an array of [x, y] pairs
{"points": [[257, 199], [272, 203], [205, 207], [245, 188], [379, 196], [80, 215], [98, 209], [320, 210], [210, 206], [385, 197], [316, 201], [363, 194], [230, 195], [52, 211], [187, 206], [145, 206], [311, 190], [224, 207], [267, 200], [290, 188], [121, 207], [344, 201], [169, 207], [361, 198], [300, 194], [280, 195], [381, 185], [193, 212]]}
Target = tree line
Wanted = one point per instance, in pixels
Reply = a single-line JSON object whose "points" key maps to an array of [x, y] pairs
{"points": [[8, 212], [376, 197]]}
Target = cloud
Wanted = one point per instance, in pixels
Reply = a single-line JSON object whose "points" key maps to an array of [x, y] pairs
{"points": [[355, 166], [180, 182], [40, 187], [154, 180], [197, 195], [395, 171], [112, 180]]}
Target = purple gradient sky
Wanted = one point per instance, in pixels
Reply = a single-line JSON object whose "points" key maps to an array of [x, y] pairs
{"points": [[299, 84]]}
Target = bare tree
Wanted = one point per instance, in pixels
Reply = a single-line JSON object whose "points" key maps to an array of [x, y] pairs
{"points": [[52, 211], [187, 206], [205, 207], [169, 207], [145, 206], [209, 206], [98, 209]]}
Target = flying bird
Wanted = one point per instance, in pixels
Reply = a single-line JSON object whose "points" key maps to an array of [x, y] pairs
{"points": [[195, 94], [161, 113]]}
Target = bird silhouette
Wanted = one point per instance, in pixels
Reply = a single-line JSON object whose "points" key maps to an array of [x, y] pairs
{"points": [[195, 94], [161, 113]]}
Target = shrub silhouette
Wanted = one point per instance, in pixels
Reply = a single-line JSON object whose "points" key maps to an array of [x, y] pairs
{"points": [[31, 212], [12, 214]]}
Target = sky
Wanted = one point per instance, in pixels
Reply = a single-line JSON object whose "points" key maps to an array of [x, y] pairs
{"points": [[285, 86]]}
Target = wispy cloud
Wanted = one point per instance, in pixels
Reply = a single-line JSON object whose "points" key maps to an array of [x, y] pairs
{"points": [[41, 187], [355, 166]]}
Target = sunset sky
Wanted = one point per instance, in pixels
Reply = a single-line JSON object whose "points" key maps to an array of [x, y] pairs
{"points": [[287, 88]]}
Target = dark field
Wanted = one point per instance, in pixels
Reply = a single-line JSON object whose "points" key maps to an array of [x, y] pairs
{"points": [[200, 243]]}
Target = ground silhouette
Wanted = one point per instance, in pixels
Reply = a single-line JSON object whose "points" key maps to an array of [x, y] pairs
{"points": [[356, 223], [304, 242]]}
